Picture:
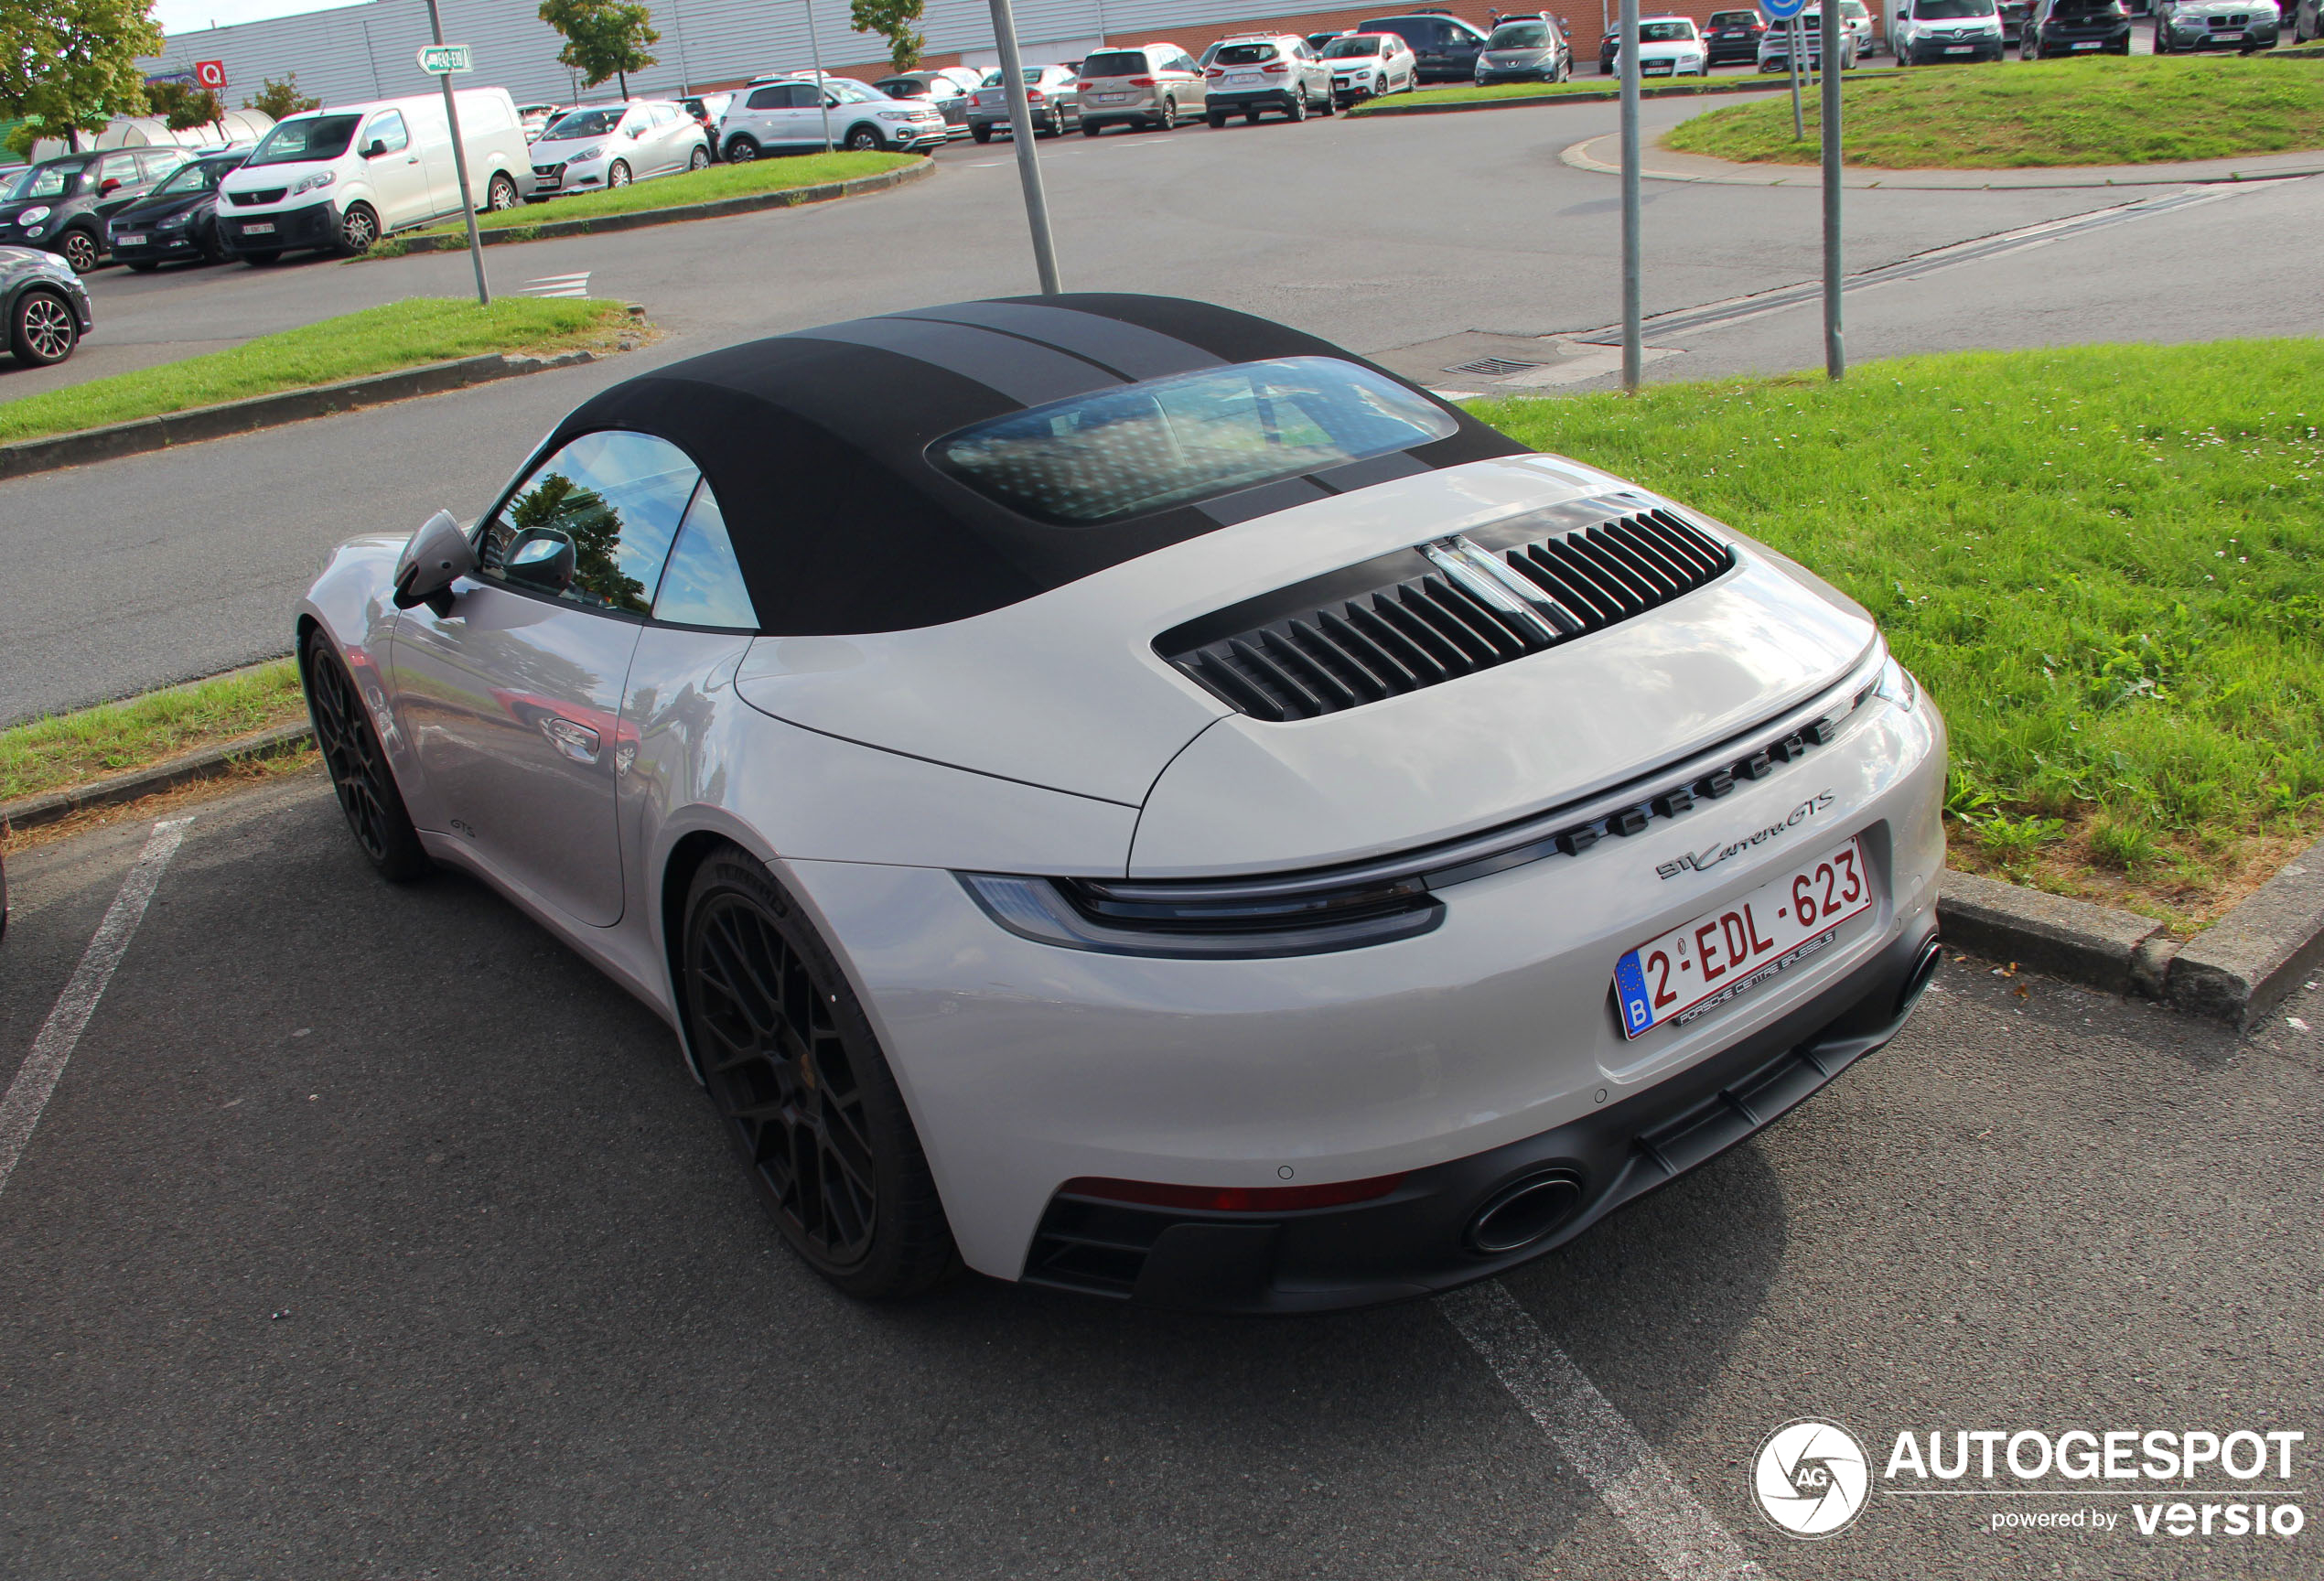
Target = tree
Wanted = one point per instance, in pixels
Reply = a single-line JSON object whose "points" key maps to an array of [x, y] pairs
{"points": [[181, 108], [602, 37], [280, 99], [73, 63], [892, 20]]}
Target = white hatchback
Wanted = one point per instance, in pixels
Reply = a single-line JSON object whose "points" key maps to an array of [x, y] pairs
{"points": [[600, 146], [1670, 46]]}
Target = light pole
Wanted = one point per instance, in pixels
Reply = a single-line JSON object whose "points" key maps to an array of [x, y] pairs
{"points": [[1020, 132]]}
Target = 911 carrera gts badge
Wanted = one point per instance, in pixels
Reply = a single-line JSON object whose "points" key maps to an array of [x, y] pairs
{"points": [[1710, 856]]}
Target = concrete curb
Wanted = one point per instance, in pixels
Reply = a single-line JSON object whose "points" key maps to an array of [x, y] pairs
{"points": [[2096, 946], [1673, 90], [207, 764], [1729, 173], [2240, 969], [750, 203], [147, 434]]}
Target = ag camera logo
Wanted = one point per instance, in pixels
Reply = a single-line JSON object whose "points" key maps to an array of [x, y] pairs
{"points": [[1811, 1478]]}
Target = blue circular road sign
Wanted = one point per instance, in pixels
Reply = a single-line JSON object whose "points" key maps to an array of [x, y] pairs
{"points": [[1784, 10]]}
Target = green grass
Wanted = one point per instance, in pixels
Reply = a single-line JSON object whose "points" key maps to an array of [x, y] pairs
{"points": [[404, 334], [2106, 563], [2121, 110], [705, 186], [68, 749]]}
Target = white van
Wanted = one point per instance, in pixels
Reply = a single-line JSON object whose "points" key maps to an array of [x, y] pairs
{"points": [[341, 178]]}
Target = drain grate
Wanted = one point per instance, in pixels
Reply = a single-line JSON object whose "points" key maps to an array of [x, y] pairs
{"points": [[1494, 367]]}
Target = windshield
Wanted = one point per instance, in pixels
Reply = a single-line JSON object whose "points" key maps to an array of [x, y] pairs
{"points": [[1245, 54], [1951, 10], [903, 88], [582, 124], [202, 176], [1348, 48], [310, 137], [1143, 447], [47, 181], [1114, 63], [1664, 32], [1518, 36], [1733, 18]]}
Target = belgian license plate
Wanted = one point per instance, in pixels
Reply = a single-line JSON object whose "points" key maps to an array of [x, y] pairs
{"points": [[264, 228], [1723, 954], [2229, 37], [1243, 79], [129, 240], [1959, 49], [2088, 44], [1111, 98]]}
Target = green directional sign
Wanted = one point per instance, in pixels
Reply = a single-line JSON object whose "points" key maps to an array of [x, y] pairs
{"points": [[443, 59]]}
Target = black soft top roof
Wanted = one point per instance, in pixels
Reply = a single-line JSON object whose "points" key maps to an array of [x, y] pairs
{"points": [[815, 443]]}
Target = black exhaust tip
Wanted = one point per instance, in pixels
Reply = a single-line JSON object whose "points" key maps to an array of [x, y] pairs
{"points": [[1923, 969], [1525, 1210]]}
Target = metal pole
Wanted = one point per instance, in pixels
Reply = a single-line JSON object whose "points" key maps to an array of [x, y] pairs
{"points": [[822, 89], [1020, 132], [1793, 49], [1835, 357], [1633, 351], [460, 167]]}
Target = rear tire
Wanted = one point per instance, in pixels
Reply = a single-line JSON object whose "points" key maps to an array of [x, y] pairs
{"points": [[42, 329], [360, 777], [1297, 109], [982, 133], [1216, 118], [795, 1071], [1170, 121], [1092, 128]]}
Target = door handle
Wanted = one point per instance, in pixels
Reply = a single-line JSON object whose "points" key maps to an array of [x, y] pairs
{"points": [[577, 742], [412, 159]]}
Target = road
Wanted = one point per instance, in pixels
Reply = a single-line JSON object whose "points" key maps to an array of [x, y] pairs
{"points": [[369, 1233], [1395, 237]]}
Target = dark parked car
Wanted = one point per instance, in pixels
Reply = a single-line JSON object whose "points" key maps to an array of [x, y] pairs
{"points": [[939, 89], [44, 304], [178, 219], [1732, 37], [2241, 26], [63, 204], [1525, 49], [1447, 47], [1609, 49], [2079, 27], [706, 109]]}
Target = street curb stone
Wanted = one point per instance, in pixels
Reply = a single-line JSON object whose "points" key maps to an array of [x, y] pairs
{"points": [[749, 203], [148, 434], [2240, 969], [2097, 946], [207, 764], [1674, 91]]}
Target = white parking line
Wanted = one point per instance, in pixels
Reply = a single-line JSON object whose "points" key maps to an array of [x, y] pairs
{"points": [[28, 1093], [1684, 1540], [559, 286]]}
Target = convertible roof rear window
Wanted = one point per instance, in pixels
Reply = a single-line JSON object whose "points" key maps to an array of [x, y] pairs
{"points": [[1142, 447]]}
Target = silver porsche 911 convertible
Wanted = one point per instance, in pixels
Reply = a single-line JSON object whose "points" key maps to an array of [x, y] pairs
{"points": [[1129, 797]]}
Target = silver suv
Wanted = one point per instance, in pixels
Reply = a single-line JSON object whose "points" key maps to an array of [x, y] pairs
{"points": [[1260, 71], [1154, 85]]}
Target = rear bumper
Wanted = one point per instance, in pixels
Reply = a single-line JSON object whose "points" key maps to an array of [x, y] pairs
{"points": [[1264, 99], [316, 225], [1416, 1241]]}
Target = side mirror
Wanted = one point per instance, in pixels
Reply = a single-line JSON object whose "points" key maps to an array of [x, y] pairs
{"points": [[541, 559], [439, 555], [108, 187], [375, 149]]}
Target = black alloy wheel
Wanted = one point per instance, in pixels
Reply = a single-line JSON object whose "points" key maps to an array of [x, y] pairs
{"points": [[42, 330], [792, 1065], [80, 249], [862, 140], [213, 245], [741, 151], [357, 765], [501, 196], [358, 228]]}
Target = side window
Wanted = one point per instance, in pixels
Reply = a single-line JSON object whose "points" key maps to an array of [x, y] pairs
{"points": [[121, 168], [704, 584], [160, 162], [388, 127], [617, 498], [768, 99]]}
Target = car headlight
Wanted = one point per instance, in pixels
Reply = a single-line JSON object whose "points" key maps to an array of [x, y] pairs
{"points": [[175, 222], [587, 154], [1896, 685], [320, 179], [33, 216], [893, 115]]}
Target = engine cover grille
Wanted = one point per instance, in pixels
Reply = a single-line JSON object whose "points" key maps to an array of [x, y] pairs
{"points": [[1423, 616]]}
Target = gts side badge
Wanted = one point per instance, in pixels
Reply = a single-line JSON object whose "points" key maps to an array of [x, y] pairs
{"points": [[1710, 856]]}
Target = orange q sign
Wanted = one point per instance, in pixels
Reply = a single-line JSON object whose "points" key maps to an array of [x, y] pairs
{"points": [[211, 73]]}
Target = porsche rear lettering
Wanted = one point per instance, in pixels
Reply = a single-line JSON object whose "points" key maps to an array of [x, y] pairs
{"points": [[1710, 856]]}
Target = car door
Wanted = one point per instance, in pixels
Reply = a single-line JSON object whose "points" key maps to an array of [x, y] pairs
{"points": [[511, 698], [117, 185], [399, 179]]}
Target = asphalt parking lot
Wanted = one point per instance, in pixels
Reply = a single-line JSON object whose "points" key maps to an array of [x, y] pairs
{"points": [[369, 1232]]}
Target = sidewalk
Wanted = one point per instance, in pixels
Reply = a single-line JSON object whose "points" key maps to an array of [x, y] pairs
{"points": [[1603, 154]]}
